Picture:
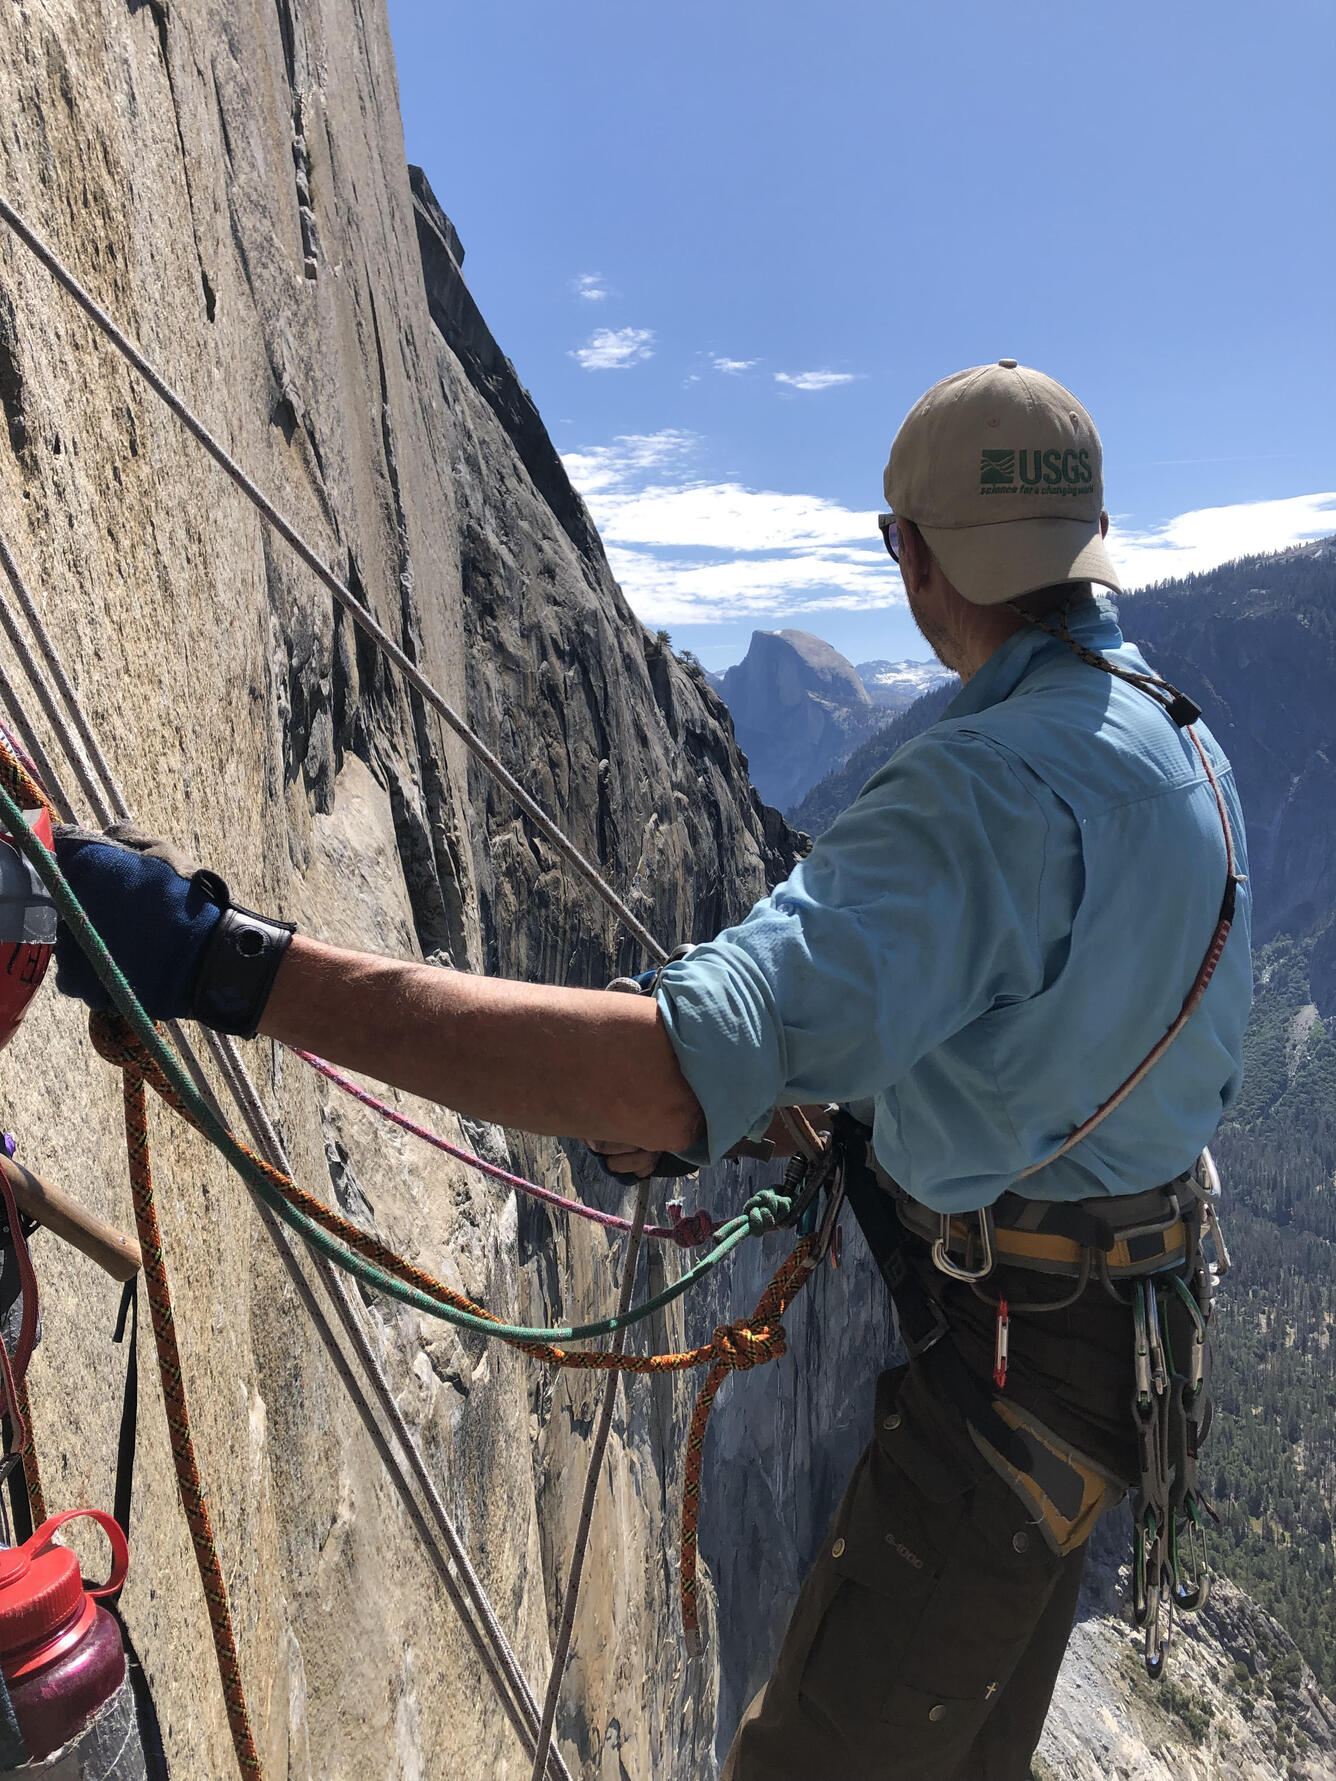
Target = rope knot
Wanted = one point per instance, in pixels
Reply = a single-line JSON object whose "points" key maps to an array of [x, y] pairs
{"points": [[742, 1346], [114, 1039], [690, 1230], [766, 1211]]}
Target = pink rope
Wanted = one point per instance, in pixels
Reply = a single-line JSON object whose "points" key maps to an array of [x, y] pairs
{"points": [[688, 1233]]}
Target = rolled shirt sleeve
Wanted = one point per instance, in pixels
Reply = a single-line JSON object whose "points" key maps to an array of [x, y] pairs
{"points": [[919, 910]]}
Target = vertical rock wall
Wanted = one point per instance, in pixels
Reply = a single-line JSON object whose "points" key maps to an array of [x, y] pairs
{"points": [[229, 179]]}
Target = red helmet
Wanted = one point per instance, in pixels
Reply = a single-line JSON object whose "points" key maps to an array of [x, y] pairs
{"points": [[27, 927]]}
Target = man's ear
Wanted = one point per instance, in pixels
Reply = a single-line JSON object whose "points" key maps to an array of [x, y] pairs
{"points": [[1103, 522], [915, 557]]}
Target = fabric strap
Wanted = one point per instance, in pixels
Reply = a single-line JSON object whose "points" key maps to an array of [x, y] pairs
{"points": [[922, 1328], [146, 1712]]}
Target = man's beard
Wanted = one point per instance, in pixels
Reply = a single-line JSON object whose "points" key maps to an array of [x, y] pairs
{"points": [[936, 636]]}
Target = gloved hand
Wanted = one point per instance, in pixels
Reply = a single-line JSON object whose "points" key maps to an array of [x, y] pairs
{"points": [[185, 948]]}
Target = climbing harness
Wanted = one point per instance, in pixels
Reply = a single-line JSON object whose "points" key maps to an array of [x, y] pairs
{"points": [[1151, 1243]]}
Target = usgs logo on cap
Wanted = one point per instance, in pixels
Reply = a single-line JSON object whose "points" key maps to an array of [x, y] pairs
{"points": [[1011, 471]]}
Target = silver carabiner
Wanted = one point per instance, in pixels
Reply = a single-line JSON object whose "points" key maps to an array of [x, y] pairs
{"points": [[941, 1254]]}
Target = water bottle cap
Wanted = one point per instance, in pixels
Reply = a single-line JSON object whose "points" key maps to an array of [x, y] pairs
{"points": [[44, 1606], [37, 1598]]}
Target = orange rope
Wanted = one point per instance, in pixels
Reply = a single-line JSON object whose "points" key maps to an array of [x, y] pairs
{"points": [[759, 1339], [735, 1347], [178, 1424], [32, 1475]]}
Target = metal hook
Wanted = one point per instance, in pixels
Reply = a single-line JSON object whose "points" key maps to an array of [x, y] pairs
{"points": [[941, 1253]]}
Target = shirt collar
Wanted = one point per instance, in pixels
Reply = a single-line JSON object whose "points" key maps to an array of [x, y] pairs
{"points": [[1092, 621]]}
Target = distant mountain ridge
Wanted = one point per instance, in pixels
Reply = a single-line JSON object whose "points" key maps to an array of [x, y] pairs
{"points": [[800, 708], [895, 685]]}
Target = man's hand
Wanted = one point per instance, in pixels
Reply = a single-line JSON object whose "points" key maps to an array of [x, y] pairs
{"points": [[155, 912], [618, 1160], [186, 949]]}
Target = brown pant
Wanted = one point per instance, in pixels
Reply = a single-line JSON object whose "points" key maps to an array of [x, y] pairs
{"points": [[928, 1636]]}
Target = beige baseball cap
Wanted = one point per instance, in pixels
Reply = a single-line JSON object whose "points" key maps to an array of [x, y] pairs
{"points": [[1001, 470]]}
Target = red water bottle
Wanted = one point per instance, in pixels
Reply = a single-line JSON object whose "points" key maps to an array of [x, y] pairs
{"points": [[60, 1651]]}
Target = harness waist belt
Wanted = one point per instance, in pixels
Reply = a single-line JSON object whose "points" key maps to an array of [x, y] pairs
{"points": [[1130, 1234]]}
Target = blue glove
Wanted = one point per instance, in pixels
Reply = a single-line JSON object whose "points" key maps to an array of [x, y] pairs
{"points": [[185, 948]]}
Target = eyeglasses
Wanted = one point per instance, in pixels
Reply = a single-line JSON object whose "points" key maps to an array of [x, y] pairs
{"points": [[890, 534]]}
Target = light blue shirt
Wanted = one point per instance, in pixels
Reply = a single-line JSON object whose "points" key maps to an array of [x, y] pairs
{"points": [[988, 942]]}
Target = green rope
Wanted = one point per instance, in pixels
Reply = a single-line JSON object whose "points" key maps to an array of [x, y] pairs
{"points": [[762, 1213]]}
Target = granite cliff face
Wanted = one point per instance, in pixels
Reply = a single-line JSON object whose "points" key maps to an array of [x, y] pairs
{"points": [[231, 183]]}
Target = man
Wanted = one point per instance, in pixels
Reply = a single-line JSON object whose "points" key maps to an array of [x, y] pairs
{"points": [[985, 946]]}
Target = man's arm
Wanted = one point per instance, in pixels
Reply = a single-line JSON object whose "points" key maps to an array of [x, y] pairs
{"points": [[565, 1062]]}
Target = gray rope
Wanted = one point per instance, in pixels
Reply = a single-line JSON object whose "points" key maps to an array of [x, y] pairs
{"points": [[594, 1471], [89, 763], [345, 597], [464, 1590], [45, 697], [462, 1583], [32, 746]]}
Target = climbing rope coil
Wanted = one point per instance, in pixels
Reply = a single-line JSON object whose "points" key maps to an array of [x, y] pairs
{"points": [[129, 1039]]}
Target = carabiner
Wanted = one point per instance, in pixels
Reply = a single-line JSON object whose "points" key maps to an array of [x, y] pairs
{"points": [[941, 1254], [1193, 1594]]}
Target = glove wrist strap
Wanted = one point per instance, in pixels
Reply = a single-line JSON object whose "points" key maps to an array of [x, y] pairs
{"points": [[237, 971]]}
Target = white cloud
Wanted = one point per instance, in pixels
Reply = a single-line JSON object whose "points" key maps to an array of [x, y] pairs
{"points": [[814, 380], [1208, 536], [606, 467], [590, 287], [734, 367], [614, 349], [669, 591], [687, 550]]}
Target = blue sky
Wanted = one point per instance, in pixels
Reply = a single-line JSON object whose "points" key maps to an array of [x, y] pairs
{"points": [[727, 245]]}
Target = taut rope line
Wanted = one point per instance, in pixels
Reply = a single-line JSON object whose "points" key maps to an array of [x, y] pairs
{"points": [[452, 1564], [341, 592], [687, 1233], [561, 1651]]}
